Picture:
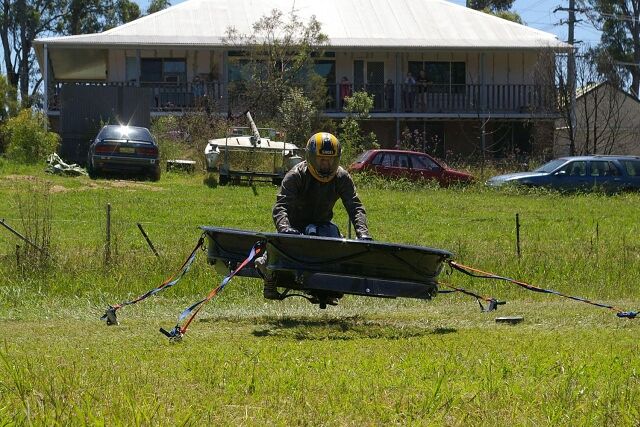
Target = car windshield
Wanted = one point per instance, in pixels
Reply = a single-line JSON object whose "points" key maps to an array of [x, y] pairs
{"points": [[362, 157], [551, 166], [126, 132]]}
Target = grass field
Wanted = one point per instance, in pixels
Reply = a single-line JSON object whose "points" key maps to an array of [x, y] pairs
{"points": [[247, 361]]}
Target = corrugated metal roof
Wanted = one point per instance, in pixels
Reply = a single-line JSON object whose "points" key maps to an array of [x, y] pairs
{"points": [[348, 23]]}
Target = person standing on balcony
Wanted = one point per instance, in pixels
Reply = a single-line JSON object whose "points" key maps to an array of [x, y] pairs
{"points": [[389, 94], [197, 88], [345, 90], [409, 92]]}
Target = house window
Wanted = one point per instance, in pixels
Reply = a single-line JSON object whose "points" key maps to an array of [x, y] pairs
{"points": [[238, 70], [169, 70], [326, 68], [444, 76], [132, 73]]}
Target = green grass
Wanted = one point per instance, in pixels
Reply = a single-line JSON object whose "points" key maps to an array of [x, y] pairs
{"points": [[366, 362]]}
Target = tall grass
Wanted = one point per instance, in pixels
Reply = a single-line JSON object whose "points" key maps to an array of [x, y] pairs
{"points": [[365, 362]]}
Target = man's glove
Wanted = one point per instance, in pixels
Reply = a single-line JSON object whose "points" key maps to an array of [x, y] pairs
{"points": [[365, 237], [290, 230]]}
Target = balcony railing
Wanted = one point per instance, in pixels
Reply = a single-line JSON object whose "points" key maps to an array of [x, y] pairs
{"points": [[453, 99], [418, 100]]}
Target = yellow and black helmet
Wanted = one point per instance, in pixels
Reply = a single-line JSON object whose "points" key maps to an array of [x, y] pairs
{"points": [[323, 156]]}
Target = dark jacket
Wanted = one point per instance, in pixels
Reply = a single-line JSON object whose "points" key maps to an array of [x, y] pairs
{"points": [[303, 200]]}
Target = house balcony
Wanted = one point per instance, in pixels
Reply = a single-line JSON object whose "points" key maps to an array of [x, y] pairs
{"points": [[390, 100]]}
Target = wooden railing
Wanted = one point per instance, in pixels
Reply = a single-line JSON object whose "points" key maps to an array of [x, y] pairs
{"points": [[415, 99]]}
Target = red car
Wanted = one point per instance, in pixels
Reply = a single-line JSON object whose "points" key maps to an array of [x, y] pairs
{"points": [[411, 165]]}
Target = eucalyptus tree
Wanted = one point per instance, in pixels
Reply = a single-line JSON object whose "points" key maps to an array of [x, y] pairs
{"points": [[499, 8], [157, 6], [619, 21], [21, 22]]}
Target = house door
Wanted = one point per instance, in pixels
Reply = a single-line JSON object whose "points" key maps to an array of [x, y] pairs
{"points": [[375, 83]]}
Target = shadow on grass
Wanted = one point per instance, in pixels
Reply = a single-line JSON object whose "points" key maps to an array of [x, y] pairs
{"points": [[210, 181], [341, 328]]}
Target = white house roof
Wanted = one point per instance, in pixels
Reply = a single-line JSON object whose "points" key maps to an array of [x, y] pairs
{"points": [[408, 24]]}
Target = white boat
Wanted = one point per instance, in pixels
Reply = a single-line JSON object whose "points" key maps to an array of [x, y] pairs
{"points": [[251, 153]]}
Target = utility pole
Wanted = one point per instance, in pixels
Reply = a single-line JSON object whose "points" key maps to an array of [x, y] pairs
{"points": [[571, 73]]}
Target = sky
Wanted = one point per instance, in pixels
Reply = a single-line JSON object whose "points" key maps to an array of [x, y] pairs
{"points": [[535, 13], [539, 14]]}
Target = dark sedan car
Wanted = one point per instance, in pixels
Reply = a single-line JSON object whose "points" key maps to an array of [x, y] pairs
{"points": [[411, 165], [124, 149], [609, 173]]}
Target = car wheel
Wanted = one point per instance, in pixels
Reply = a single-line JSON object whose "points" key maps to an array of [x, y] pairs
{"points": [[91, 170]]}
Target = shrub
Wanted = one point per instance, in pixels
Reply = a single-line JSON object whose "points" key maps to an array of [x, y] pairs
{"points": [[186, 137], [353, 141], [27, 139], [295, 116]]}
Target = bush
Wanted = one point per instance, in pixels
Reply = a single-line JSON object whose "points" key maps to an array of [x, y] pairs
{"points": [[186, 137], [295, 116], [353, 141], [27, 139]]}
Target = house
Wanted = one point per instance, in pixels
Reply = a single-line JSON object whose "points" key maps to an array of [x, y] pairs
{"points": [[607, 122], [483, 87]]}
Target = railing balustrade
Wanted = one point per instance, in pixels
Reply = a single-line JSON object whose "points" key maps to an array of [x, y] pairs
{"points": [[410, 99]]}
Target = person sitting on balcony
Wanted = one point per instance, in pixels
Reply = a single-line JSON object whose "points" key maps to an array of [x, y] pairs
{"points": [[309, 191]]}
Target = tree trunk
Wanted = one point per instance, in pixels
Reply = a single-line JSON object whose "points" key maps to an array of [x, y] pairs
{"points": [[5, 25]]}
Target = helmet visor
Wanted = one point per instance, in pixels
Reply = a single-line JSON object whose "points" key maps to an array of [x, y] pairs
{"points": [[326, 166]]}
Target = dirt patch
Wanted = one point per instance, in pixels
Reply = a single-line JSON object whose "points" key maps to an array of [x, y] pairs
{"points": [[91, 185], [28, 178], [58, 189], [132, 185]]}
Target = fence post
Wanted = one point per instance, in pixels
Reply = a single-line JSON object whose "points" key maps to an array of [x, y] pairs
{"points": [[518, 235], [107, 250]]}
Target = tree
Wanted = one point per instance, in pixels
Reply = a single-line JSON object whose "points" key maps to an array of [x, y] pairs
{"points": [[354, 142], [601, 107], [8, 103], [126, 11], [27, 140], [21, 22], [94, 16], [499, 8], [619, 21], [296, 116], [276, 56], [157, 6], [492, 5]]}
